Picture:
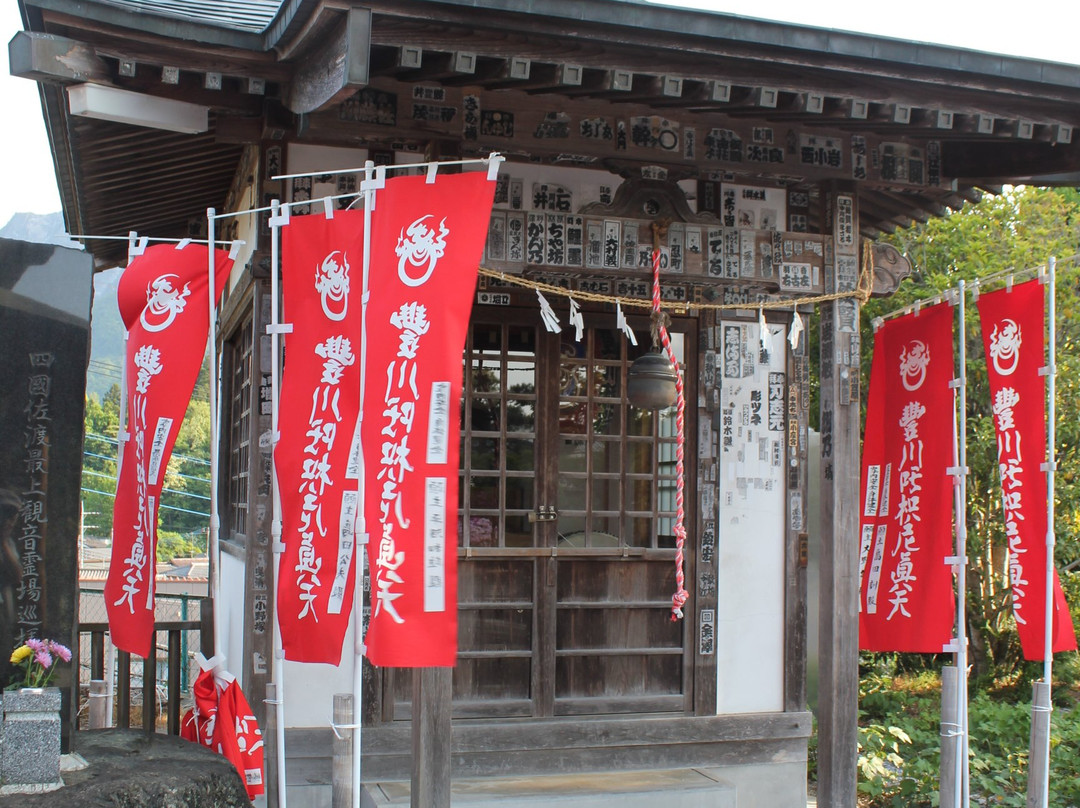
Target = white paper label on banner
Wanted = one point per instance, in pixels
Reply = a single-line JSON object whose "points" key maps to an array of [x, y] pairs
{"points": [[874, 583], [866, 540], [346, 541], [883, 502], [435, 544], [873, 482], [438, 423], [157, 449], [354, 467]]}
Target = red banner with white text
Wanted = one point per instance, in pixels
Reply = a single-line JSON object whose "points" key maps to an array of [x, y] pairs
{"points": [[163, 301], [906, 524], [1013, 328], [317, 454], [427, 241]]}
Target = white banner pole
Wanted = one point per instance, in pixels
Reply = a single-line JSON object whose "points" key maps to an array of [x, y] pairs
{"points": [[372, 181], [278, 218], [1051, 540], [961, 570], [212, 540]]}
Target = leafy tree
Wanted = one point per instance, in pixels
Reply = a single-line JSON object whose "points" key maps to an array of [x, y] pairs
{"points": [[185, 498], [1018, 229]]}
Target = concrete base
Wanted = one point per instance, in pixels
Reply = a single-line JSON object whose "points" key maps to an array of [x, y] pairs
{"points": [[30, 739], [673, 788]]}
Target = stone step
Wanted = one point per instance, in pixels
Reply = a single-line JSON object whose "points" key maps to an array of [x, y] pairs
{"points": [[672, 788]]}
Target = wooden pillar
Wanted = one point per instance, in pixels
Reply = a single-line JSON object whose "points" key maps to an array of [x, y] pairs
{"points": [[838, 704], [431, 737]]}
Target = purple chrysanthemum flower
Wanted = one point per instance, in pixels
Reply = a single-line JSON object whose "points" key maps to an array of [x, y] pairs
{"points": [[37, 645], [62, 651], [44, 659]]}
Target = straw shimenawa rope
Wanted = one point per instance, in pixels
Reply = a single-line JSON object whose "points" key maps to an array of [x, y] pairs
{"points": [[861, 292]]}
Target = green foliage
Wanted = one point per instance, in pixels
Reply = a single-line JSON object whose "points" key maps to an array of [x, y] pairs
{"points": [[185, 499], [175, 545], [899, 740]]}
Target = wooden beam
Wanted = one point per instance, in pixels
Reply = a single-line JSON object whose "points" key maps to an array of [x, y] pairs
{"points": [[336, 67], [431, 738], [44, 57], [838, 706]]}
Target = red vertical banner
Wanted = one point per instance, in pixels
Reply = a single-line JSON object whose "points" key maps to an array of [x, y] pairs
{"points": [[163, 300], [426, 244], [1013, 329], [907, 601], [317, 453]]}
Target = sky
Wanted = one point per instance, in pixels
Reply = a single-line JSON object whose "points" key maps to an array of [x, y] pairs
{"points": [[1037, 29]]}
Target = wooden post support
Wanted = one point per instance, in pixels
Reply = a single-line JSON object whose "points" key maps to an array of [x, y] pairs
{"points": [[950, 738], [341, 783], [431, 738], [1039, 746], [838, 704], [99, 702]]}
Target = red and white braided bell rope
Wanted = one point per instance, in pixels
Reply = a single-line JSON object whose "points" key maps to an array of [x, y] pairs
{"points": [[680, 596]]}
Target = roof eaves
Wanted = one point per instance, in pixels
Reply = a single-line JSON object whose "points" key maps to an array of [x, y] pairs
{"points": [[718, 26], [158, 19]]}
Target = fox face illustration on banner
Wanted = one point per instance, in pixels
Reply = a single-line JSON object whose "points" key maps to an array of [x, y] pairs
{"points": [[427, 241], [906, 522], [317, 453], [1013, 326], [163, 301]]}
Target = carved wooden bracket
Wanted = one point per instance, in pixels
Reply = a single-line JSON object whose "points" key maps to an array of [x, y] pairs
{"points": [[335, 66], [890, 267]]}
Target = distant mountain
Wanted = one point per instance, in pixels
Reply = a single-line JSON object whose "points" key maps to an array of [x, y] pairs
{"points": [[106, 328], [39, 228], [106, 335]]}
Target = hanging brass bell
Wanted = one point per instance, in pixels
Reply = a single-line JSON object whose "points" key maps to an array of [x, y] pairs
{"points": [[650, 382]]}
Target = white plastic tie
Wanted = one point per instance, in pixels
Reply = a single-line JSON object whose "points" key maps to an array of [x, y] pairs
{"points": [[494, 162], [182, 243], [279, 328], [279, 214], [336, 727], [136, 245], [328, 207], [432, 172], [377, 183], [234, 249]]}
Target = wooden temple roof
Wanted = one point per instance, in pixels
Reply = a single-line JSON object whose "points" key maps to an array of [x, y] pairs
{"points": [[272, 70]]}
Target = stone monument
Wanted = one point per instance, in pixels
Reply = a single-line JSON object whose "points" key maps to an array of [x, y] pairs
{"points": [[45, 296]]}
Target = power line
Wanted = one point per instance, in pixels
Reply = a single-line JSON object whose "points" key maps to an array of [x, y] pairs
{"points": [[177, 473], [115, 442], [160, 504], [165, 490]]}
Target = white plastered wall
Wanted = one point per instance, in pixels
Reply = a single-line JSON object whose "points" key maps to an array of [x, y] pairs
{"points": [[750, 523]]}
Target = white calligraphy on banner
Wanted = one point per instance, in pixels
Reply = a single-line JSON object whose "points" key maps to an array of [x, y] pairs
{"points": [[148, 361], [402, 398]]}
